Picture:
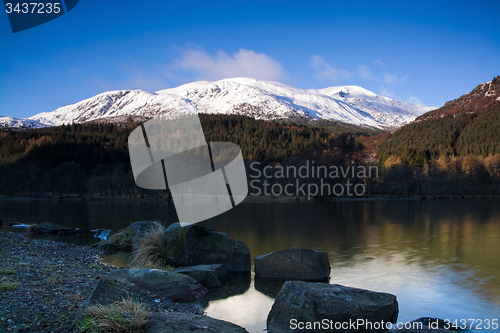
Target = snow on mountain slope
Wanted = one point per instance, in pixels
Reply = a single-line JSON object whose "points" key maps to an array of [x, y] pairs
{"points": [[19, 122], [254, 98]]}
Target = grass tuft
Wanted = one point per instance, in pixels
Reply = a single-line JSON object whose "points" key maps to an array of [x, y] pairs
{"points": [[5, 271], [123, 239], [126, 316], [151, 251], [8, 285]]}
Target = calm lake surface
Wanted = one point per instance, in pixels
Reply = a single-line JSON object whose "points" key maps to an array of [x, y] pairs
{"points": [[441, 258]]}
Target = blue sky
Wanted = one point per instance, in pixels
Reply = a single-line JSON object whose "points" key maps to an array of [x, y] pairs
{"points": [[427, 52]]}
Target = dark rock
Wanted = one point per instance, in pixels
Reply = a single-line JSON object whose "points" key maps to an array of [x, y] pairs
{"points": [[108, 248], [428, 325], [128, 238], [210, 276], [197, 245], [107, 292], [293, 264], [1, 223], [139, 229], [103, 234], [168, 322], [53, 228], [168, 285], [317, 302]]}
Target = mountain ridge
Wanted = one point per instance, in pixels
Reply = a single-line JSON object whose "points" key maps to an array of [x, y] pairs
{"points": [[483, 96], [255, 98]]}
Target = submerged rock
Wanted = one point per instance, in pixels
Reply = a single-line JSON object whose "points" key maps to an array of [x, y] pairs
{"points": [[179, 322], [307, 302], [210, 276], [197, 245], [50, 227], [293, 264], [168, 285]]}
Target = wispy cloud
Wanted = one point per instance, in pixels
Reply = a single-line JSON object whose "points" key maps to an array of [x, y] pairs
{"points": [[414, 100], [378, 62], [393, 79], [388, 93], [324, 70], [246, 63], [390, 79], [139, 78], [364, 72]]}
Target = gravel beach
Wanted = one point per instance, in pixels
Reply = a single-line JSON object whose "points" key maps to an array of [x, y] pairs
{"points": [[45, 283]]}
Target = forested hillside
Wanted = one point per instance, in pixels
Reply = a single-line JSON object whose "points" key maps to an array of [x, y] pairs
{"points": [[424, 141], [90, 158]]}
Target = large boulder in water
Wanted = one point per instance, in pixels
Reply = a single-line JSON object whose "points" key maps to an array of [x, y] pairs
{"points": [[293, 264], [307, 302], [178, 322], [168, 285], [197, 245]]}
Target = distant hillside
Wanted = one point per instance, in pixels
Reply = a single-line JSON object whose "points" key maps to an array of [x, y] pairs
{"points": [[482, 97], [469, 125]]}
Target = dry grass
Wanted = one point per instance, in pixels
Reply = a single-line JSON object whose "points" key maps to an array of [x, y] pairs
{"points": [[123, 239], [126, 316], [151, 251]]}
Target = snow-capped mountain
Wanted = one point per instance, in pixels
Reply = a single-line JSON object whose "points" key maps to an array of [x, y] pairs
{"points": [[258, 99], [20, 122]]}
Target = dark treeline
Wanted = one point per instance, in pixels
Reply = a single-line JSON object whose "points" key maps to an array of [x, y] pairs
{"points": [[92, 159]]}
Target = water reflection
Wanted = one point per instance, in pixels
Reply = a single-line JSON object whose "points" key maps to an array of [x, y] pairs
{"points": [[248, 310], [268, 287], [440, 257]]}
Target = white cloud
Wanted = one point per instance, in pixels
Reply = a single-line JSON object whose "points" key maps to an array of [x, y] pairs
{"points": [[415, 100], [325, 71], [390, 79], [378, 62], [389, 93], [393, 79], [364, 72], [244, 63]]}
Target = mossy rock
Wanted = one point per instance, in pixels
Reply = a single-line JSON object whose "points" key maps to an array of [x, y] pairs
{"points": [[197, 245]]}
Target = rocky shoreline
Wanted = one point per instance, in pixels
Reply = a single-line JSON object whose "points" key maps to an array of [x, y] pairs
{"points": [[49, 286], [46, 283]]}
